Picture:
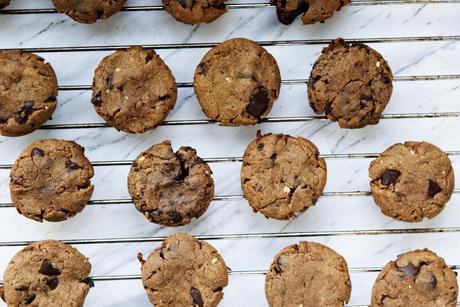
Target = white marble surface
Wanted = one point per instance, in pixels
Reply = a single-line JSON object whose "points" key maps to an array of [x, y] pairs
{"points": [[235, 217]]}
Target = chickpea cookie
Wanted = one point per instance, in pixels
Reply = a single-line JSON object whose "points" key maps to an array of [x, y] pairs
{"points": [[412, 181], [417, 278], [28, 90], [50, 180], [4, 3], [313, 10], [170, 188], [88, 11], [282, 176], [308, 274], [195, 11], [351, 83], [133, 90], [184, 272], [237, 82], [47, 273]]}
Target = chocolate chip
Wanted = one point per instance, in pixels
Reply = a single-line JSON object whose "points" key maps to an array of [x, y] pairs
{"points": [[72, 166], [196, 296], [22, 288], [259, 102], [183, 171], [3, 120], [37, 152], [287, 17], [110, 82], [409, 270], [175, 216], [260, 146], [149, 57], [28, 300], [140, 257], [218, 289], [277, 267], [99, 14], [52, 283], [389, 176], [203, 69], [23, 115], [48, 269], [187, 4], [273, 157], [432, 283], [89, 282], [97, 100], [433, 188], [384, 79]]}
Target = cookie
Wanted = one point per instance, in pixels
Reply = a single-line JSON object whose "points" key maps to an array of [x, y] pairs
{"points": [[50, 180], [88, 11], [412, 181], [351, 83], [237, 82], [308, 274], [28, 90], [417, 278], [4, 3], [195, 11], [170, 188], [314, 10], [184, 272], [133, 90], [47, 273], [282, 176]]}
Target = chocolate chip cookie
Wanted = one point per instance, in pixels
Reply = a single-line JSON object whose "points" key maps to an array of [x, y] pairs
{"points": [[47, 273], [237, 82], [28, 90], [308, 274], [351, 83], [51, 180], [4, 3], [195, 11], [417, 278], [170, 188], [282, 176], [133, 90], [412, 181], [184, 272], [88, 11], [314, 10]]}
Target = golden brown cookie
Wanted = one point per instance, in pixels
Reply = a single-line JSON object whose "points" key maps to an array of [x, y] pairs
{"points": [[282, 176], [133, 90], [88, 11], [412, 181], [170, 188], [308, 274], [414, 279], [47, 273], [184, 272], [195, 11], [237, 82], [28, 90], [51, 180], [351, 83]]}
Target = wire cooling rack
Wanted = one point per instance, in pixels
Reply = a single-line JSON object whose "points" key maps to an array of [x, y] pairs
{"points": [[360, 233]]}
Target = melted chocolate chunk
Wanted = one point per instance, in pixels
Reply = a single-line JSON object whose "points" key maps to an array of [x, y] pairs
{"points": [[37, 152], [52, 283], [23, 115], [259, 102], [287, 17], [97, 100], [110, 82], [203, 69], [175, 216], [22, 288], [433, 188], [99, 14], [389, 176], [90, 282], [72, 166], [187, 4], [48, 269], [432, 283], [29, 299], [3, 120], [183, 171], [410, 270], [260, 146], [273, 157], [384, 79], [196, 296], [149, 57]]}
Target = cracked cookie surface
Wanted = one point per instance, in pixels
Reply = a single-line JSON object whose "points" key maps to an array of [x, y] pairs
{"points": [[412, 181], [47, 273], [4, 3], [88, 11], [417, 278], [170, 188], [28, 90], [313, 10], [282, 176], [237, 82], [184, 272], [308, 274], [351, 84], [195, 11], [50, 180], [133, 90]]}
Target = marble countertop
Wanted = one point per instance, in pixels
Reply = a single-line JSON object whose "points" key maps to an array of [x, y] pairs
{"points": [[336, 220]]}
